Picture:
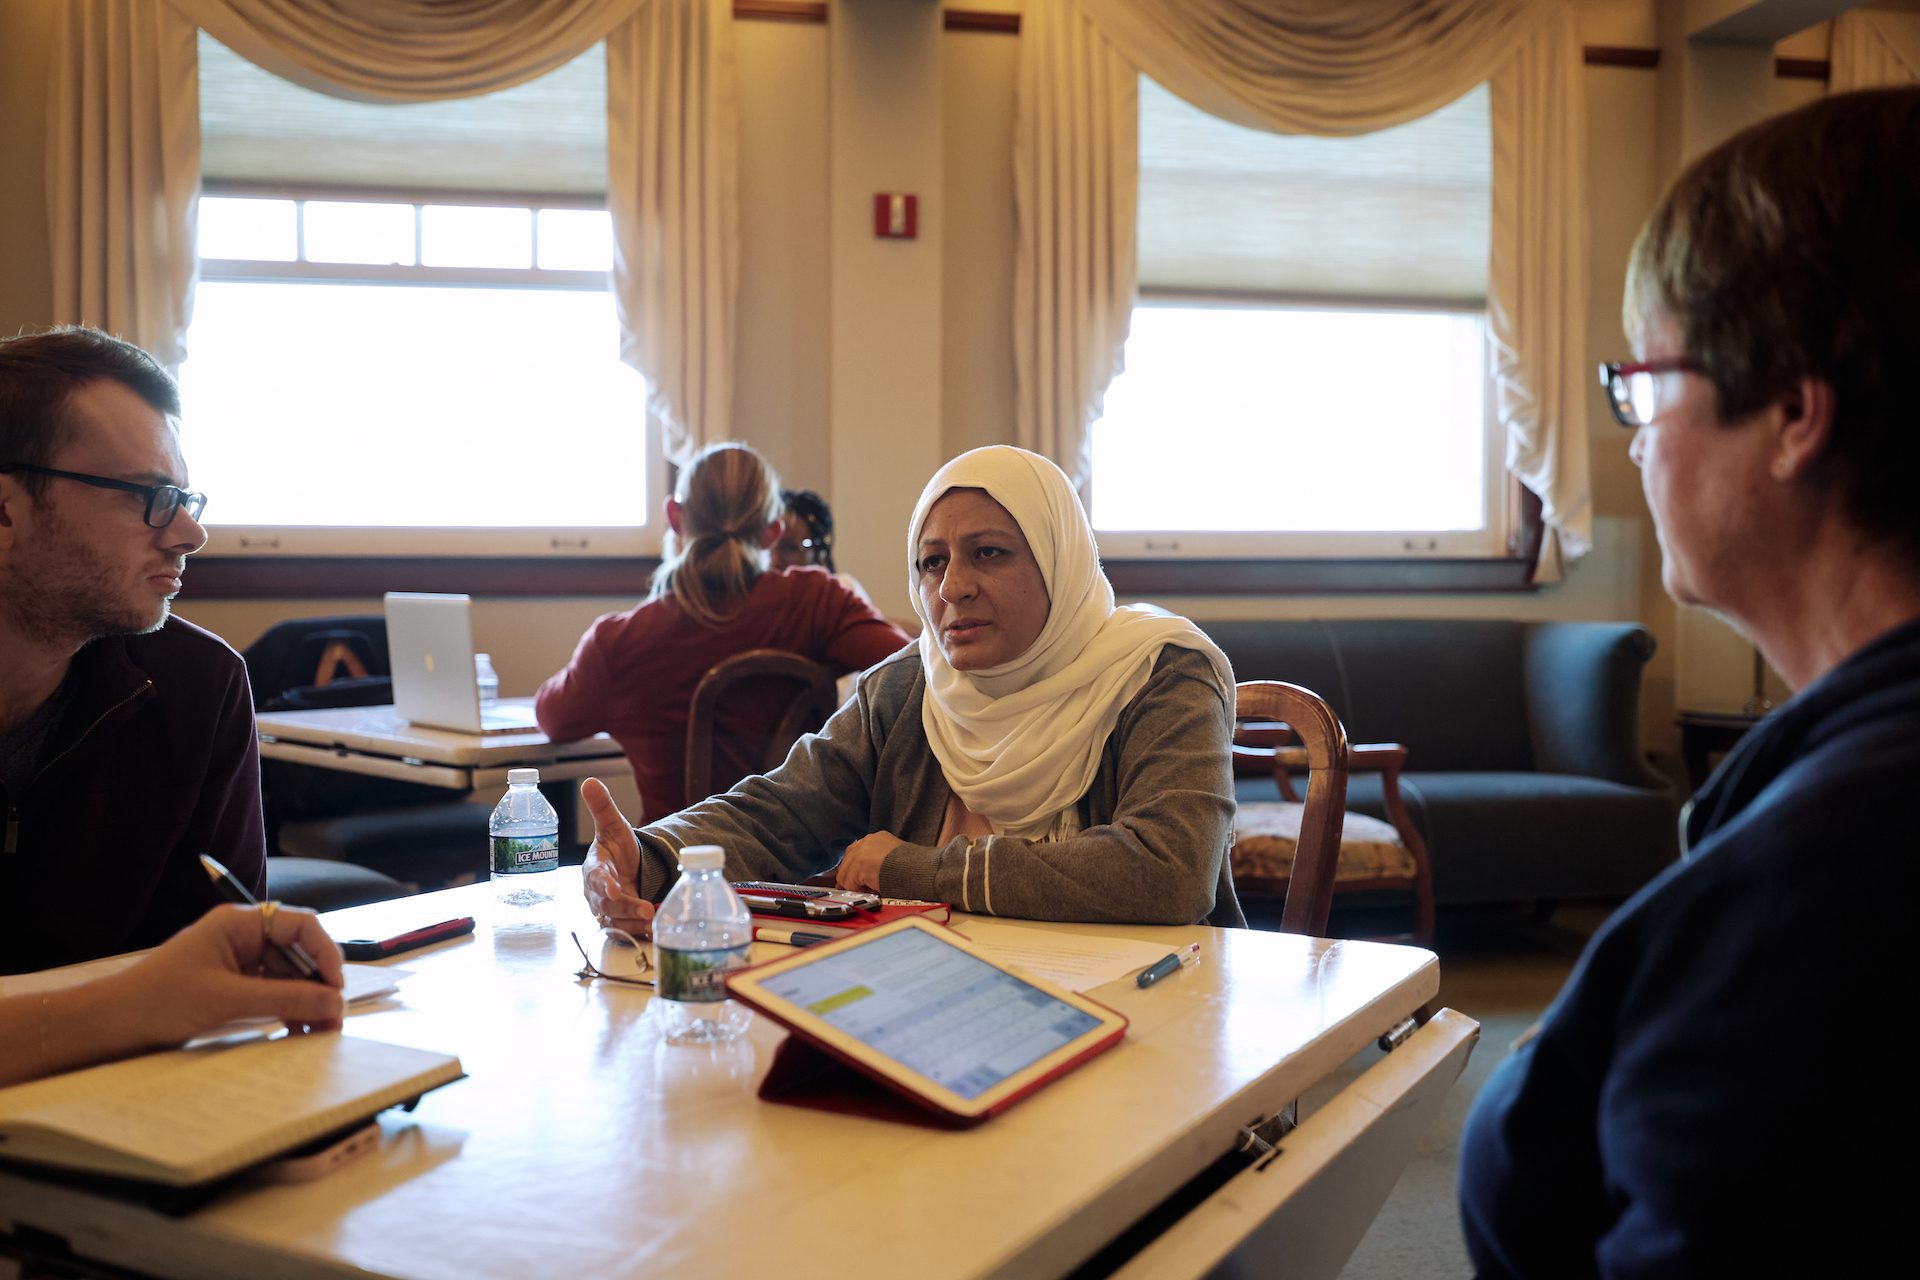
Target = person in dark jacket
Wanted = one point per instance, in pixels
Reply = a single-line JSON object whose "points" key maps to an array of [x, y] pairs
{"points": [[127, 742], [1717, 1090]]}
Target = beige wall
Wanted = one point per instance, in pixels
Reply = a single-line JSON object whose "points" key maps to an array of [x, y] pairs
{"points": [[924, 367]]}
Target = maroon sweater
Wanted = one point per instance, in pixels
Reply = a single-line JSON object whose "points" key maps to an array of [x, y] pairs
{"points": [[633, 673], [153, 763]]}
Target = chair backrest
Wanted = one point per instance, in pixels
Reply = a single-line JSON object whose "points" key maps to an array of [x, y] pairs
{"points": [[736, 725], [293, 658], [1323, 744], [338, 661]]}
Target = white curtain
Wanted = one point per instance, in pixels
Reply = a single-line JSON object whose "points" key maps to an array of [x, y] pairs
{"points": [[1076, 182], [671, 167], [123, 162], [1874, 49], [1304, 66], [124, 150]]}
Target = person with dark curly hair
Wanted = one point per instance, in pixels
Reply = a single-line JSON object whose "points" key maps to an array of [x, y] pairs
{"points": [[806, 531]]}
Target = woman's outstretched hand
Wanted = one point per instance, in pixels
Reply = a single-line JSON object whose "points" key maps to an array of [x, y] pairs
{"points": [[611, 874]]}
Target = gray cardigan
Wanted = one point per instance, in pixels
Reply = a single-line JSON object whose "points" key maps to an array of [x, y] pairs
{"points": [[1154, 825]]}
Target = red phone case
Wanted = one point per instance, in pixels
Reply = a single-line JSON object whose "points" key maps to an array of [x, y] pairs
{"points": [[371, 949]]}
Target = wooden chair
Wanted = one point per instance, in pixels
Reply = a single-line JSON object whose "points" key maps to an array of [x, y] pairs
{"points": [[727, 696], [1369, 854], [1307, 886]]}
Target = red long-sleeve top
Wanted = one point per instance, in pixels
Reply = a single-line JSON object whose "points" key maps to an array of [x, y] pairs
{"points": [[633, 674]]}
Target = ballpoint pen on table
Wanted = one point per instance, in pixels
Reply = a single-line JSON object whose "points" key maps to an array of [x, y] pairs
{"points": [[233, 891], [1183, 958], [791, 937]]}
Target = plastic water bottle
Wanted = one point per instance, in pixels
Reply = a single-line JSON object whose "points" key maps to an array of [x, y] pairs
{"points": [[701, 933], [487, 678], [525, 841]]}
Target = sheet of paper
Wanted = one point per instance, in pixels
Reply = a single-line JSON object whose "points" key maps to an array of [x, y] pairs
{"points": [[366, 982], [361, 984], [1071, 961]]}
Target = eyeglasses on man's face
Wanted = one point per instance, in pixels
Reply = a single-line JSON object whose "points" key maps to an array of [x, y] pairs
{"points": [[164, 501], [1632, 387]]}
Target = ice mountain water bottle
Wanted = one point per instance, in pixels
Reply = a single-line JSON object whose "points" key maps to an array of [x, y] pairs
{"points": [[524, 841], [701, 933]]}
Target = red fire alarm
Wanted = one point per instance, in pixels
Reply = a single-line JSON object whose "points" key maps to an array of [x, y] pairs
{"points": [[895, 217]]}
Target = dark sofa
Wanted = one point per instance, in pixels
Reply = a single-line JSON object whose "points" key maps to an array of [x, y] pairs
{"points": [[1524, 768]]}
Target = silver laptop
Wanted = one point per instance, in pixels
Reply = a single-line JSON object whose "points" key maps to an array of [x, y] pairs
{"points": [[430, 645]]}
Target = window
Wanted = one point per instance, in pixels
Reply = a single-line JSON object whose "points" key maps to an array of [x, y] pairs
{"points": [[1307, 367], [386, 370], [364, 367]]}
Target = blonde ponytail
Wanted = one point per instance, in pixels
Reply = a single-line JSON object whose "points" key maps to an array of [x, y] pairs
{"points": [[728, 495]]}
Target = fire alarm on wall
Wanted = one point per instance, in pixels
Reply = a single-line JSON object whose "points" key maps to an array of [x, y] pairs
{"points": [[895, 216]]}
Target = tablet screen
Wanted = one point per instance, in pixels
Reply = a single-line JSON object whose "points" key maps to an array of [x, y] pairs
{"points": [[934, 1008]]}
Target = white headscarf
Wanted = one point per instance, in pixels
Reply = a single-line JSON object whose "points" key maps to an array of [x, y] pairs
{"points": [[1020, 742]]}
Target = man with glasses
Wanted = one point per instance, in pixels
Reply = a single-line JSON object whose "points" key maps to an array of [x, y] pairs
{"points": [[1706, 1096], [127, 742]]}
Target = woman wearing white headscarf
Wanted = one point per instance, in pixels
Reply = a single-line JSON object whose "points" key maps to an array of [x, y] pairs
{"points": [[1039, 753]]}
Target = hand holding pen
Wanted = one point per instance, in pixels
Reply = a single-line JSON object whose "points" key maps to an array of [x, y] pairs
{"points": [[290, 950], [204, 977]]}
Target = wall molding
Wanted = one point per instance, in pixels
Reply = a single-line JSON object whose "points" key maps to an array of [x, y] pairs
{"points": [[1594, 55], [1614, 55], [628, 577], [981, 20], [1316, 577], [1803, 69], [810, 11], [337, 577]]}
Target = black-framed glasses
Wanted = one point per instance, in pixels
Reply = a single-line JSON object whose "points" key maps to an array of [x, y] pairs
{"points": [[642, 961], [164, 501], [1630, 386]]}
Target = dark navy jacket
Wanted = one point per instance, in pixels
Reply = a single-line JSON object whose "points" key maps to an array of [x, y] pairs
{"points": [[1718, 1091], [154, 763]]}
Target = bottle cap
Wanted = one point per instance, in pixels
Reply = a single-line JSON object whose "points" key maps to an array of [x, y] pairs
{"points": [[702, 857], [517, 776]]}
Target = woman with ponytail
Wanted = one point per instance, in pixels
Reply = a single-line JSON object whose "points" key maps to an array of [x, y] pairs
{"points": [[1040, 752], [714, 595]]}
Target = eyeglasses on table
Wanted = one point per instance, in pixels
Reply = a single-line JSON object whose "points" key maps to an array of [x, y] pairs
{"points": [[638, 952]]}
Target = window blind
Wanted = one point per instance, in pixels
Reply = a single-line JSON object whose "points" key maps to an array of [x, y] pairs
{"points": [[1400, 214], [547, 136]]}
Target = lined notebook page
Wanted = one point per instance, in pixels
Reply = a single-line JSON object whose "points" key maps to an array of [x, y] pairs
{"points": [[193, 1114]]}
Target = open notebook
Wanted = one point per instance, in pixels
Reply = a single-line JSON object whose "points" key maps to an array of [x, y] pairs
{"points": [[189, 1116]]}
